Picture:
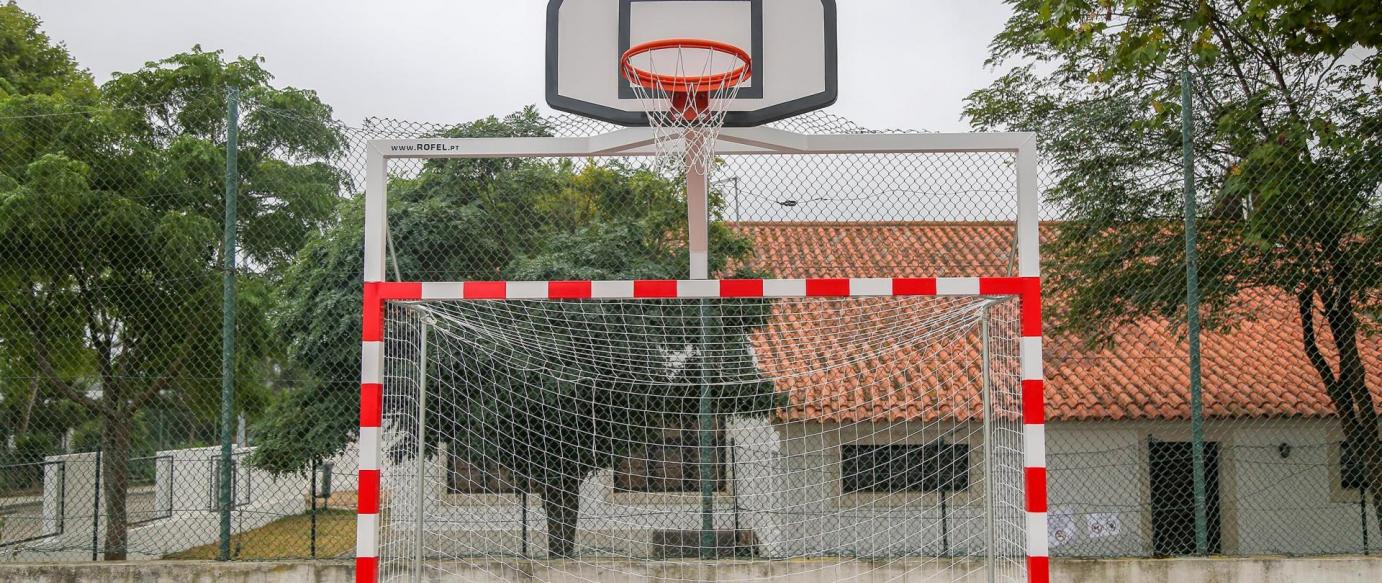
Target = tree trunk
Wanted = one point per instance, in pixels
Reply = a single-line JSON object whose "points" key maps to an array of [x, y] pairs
{"points": [[561, 500], [24, 420], [115, 478], [1355, 403]]}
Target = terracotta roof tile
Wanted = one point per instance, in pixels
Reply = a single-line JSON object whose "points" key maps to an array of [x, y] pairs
{"points": [[1256, 370]]}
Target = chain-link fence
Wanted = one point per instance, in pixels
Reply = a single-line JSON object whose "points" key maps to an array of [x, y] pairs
{"points": [[111, 316], [1264, 439]]}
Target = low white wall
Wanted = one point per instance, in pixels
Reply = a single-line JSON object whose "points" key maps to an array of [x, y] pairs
{"points": [[190, 479], [1249, 570], [69, 504], [183, 512]]}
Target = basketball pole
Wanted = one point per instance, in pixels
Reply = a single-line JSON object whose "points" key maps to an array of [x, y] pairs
{"points": [[697, 205], [698, 244]]}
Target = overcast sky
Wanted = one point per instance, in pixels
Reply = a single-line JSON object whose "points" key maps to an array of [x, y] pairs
{"points": [[903, 63]]}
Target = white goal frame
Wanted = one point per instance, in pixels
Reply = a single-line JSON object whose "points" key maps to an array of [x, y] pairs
{"points": [[1025, 286]]}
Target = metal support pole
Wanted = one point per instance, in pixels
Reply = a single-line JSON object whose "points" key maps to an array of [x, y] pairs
{"points": [[737, 218], [1363, 514], [228, 318], [312, 533], [96, 508], [1192, 317], [697, 205], [945, 515], [733, 478], [697, 222], [990, 528], [421, 489], [707, 450], [523, 516]]}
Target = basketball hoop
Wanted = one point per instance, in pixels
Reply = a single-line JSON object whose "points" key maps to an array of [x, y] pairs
{"points": [[684, 85]]}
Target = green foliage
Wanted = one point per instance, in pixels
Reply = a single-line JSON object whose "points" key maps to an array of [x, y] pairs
{"points": [[111, 215], [1330, 27], [30, 64], [1288, 112], [1286, 161], [111, 204], [457, 220], [175, 110]]}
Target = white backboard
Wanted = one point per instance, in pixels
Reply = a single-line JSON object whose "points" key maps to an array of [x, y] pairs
{"points": [[792, 44]]}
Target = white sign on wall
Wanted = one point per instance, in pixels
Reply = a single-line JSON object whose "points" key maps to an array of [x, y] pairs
{"points": [[1060, 527], [1103, 525]]}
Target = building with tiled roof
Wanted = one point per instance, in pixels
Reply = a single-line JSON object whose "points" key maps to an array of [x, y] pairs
{"points": [[1118, 432], [1257, 370]]}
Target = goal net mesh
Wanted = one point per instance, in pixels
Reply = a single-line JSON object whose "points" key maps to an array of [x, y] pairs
{"points": [[686, 429]]}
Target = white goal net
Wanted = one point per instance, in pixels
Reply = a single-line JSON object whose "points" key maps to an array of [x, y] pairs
{"points": [[681, 430]]}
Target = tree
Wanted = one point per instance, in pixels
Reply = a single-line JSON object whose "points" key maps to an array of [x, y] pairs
{"points": [[30, 64], [35, 76], [1330, 27], [521, 220], [110, 212], [1287, 165]]}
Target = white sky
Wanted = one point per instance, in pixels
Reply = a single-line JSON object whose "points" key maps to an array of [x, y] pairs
{"points": [[903, 63]]}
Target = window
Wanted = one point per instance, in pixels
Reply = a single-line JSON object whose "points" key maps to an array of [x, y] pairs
{"points": [[931, 467], [483, 476], [1350, 467], [672, 464]]}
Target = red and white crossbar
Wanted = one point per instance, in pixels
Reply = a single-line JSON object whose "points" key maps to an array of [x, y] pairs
{"points": [[1026, 289]]}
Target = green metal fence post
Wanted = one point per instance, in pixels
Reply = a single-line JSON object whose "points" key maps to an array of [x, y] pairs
{"points": [[96, 509], [1192, 317], [312, 533], [228, 319], [706, 450]]}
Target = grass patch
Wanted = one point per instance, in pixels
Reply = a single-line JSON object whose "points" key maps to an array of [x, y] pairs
{"points": [[289, 537]]}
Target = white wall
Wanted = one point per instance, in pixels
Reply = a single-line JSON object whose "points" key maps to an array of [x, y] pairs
{"points": [[260, 498], [1289, 505], [610, 522], [1270, 504], [786, 486], [1098, 471], [786, 489], [69, 497], [819, 519]]}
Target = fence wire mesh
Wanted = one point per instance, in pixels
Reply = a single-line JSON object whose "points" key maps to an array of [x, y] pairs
{"points": [[111, 311]]}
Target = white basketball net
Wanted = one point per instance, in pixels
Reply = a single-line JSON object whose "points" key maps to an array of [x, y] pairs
{"points": [[686, 115]]}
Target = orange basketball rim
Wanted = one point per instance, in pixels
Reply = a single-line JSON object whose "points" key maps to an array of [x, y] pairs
{"points": [[689, 94]]}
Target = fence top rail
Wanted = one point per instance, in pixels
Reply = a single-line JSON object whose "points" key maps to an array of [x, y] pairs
{"points": [[7, 467]]}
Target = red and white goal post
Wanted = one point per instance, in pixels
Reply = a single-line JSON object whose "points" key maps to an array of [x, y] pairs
{"points": [[940, 332]]}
